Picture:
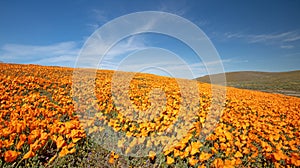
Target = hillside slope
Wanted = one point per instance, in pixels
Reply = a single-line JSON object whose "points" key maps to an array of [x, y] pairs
{"points": [[287, 83], [48, 118]]}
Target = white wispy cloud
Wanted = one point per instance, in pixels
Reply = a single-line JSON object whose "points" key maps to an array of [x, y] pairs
{"points": [[114, 58], [99, 17], [268, 38], [93, 54], [160, 61], [293, 38], [113, 41], [287, 46], [118, 58], [126, 46], [63, 54], [180, 8]]}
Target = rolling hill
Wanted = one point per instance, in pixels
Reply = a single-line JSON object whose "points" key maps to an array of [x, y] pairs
{"points": [[287, 83], [64, 117]]}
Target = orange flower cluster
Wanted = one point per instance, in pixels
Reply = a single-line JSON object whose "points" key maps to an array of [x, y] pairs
{"points": [[36, 110], [39, 104]]}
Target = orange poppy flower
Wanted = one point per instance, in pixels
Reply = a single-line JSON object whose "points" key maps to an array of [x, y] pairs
{"points": [[193, 161], [21, 141], [279, 155], [10, 155], [31, 139], [170, 160], [112, 157], [238, 154], [29, 154], [204, 156], [195, 147], [64, 151], [60, 142], [111, 160], [74, 140], [152, 155], [218, 162], [238, 161], [229, 163]]}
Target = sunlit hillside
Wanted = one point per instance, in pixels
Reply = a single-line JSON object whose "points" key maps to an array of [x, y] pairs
{"points": [[47, 121], [287, 83]]}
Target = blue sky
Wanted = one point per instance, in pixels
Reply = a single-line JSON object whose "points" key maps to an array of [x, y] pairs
{"points": [[248, 35]]}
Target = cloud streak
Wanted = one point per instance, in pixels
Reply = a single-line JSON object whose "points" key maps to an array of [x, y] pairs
{"points": [[287, 46], [62, 54], [66, 53], [271, 38], [180, 8], [99, 18]]}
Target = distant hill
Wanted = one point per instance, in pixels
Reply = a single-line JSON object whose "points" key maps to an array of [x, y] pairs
{"points": [[287, 83]]}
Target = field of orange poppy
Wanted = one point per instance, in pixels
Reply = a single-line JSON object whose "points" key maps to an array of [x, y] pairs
{"points": [[42, 123]]}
